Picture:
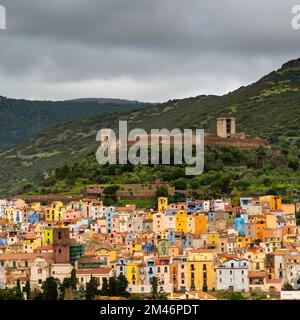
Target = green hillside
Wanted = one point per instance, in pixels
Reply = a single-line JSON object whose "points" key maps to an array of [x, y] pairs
{"points": [[269, 108], [22, 119]]}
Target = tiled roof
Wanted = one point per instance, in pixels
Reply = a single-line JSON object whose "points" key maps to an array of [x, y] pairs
{"points": [[98, 271], [25, 256]]}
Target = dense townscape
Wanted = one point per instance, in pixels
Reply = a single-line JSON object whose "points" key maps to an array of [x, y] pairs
{"points": [[195, 249]]}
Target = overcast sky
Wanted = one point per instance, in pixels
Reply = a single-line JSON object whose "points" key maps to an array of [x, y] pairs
{"points": [[149, 50]]}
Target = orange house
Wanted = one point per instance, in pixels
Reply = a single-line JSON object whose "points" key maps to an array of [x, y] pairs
{"points": [[200, 225], [259, 225]]}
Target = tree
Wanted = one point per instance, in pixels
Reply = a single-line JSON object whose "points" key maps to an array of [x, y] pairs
{"points": [[8, 294], [19, 294], [293, 163], [73, 279], [180, 184], [80, 294], [298, 218], [154, 287], [105, 288], [113, 286], [27, 290], [287, 287], [49, 288], [91, 289], [161, 192], [122, 285], [66, 290], [111, 190]]}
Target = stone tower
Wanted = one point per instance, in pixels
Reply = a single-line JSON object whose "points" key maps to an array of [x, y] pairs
{"points": [[226, 127], [61, 245]]}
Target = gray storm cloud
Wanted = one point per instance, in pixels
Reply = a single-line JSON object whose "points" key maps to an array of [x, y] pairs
{"points": [[150, 50]]}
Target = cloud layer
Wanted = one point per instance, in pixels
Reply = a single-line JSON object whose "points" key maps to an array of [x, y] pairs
{"points": [[151, 50]]}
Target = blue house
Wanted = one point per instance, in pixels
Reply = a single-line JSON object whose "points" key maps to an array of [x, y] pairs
{"points": [[33, 218], [110, 212], [239, 225], [171, 237], [148, 247]]}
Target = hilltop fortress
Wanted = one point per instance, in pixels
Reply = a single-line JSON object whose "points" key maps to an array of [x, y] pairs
{"points": [[228, 136]]}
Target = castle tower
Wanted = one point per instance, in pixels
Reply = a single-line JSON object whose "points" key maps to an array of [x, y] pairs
{"points": [[61, 245], [226, 127]]}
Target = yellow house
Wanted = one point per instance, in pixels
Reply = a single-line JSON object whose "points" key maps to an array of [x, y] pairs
{"points": [[200, 270], [35, 206], [55, 211], [112, 253], [9, 215], [132, 273], [135, 247], [48, 236], [273, 202], [181, 222], [213, 239], [243, 242], [31, 243], [162, 204]]}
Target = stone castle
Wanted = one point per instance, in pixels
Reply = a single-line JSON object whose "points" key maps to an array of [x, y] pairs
{"points": [[227, 135]]}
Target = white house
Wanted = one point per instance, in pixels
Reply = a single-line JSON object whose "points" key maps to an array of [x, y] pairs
{"points": [[39, 272], [233, 275]]}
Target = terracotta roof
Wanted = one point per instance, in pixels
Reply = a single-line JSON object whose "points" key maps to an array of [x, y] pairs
{"points": [[48, 247], [98, 271], [273, 280], [30, 236], [25, 256], [256, 274], [281, 251]]}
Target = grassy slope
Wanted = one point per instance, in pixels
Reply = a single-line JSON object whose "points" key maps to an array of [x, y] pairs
{"points": [[268, 108], [22, 119]]}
